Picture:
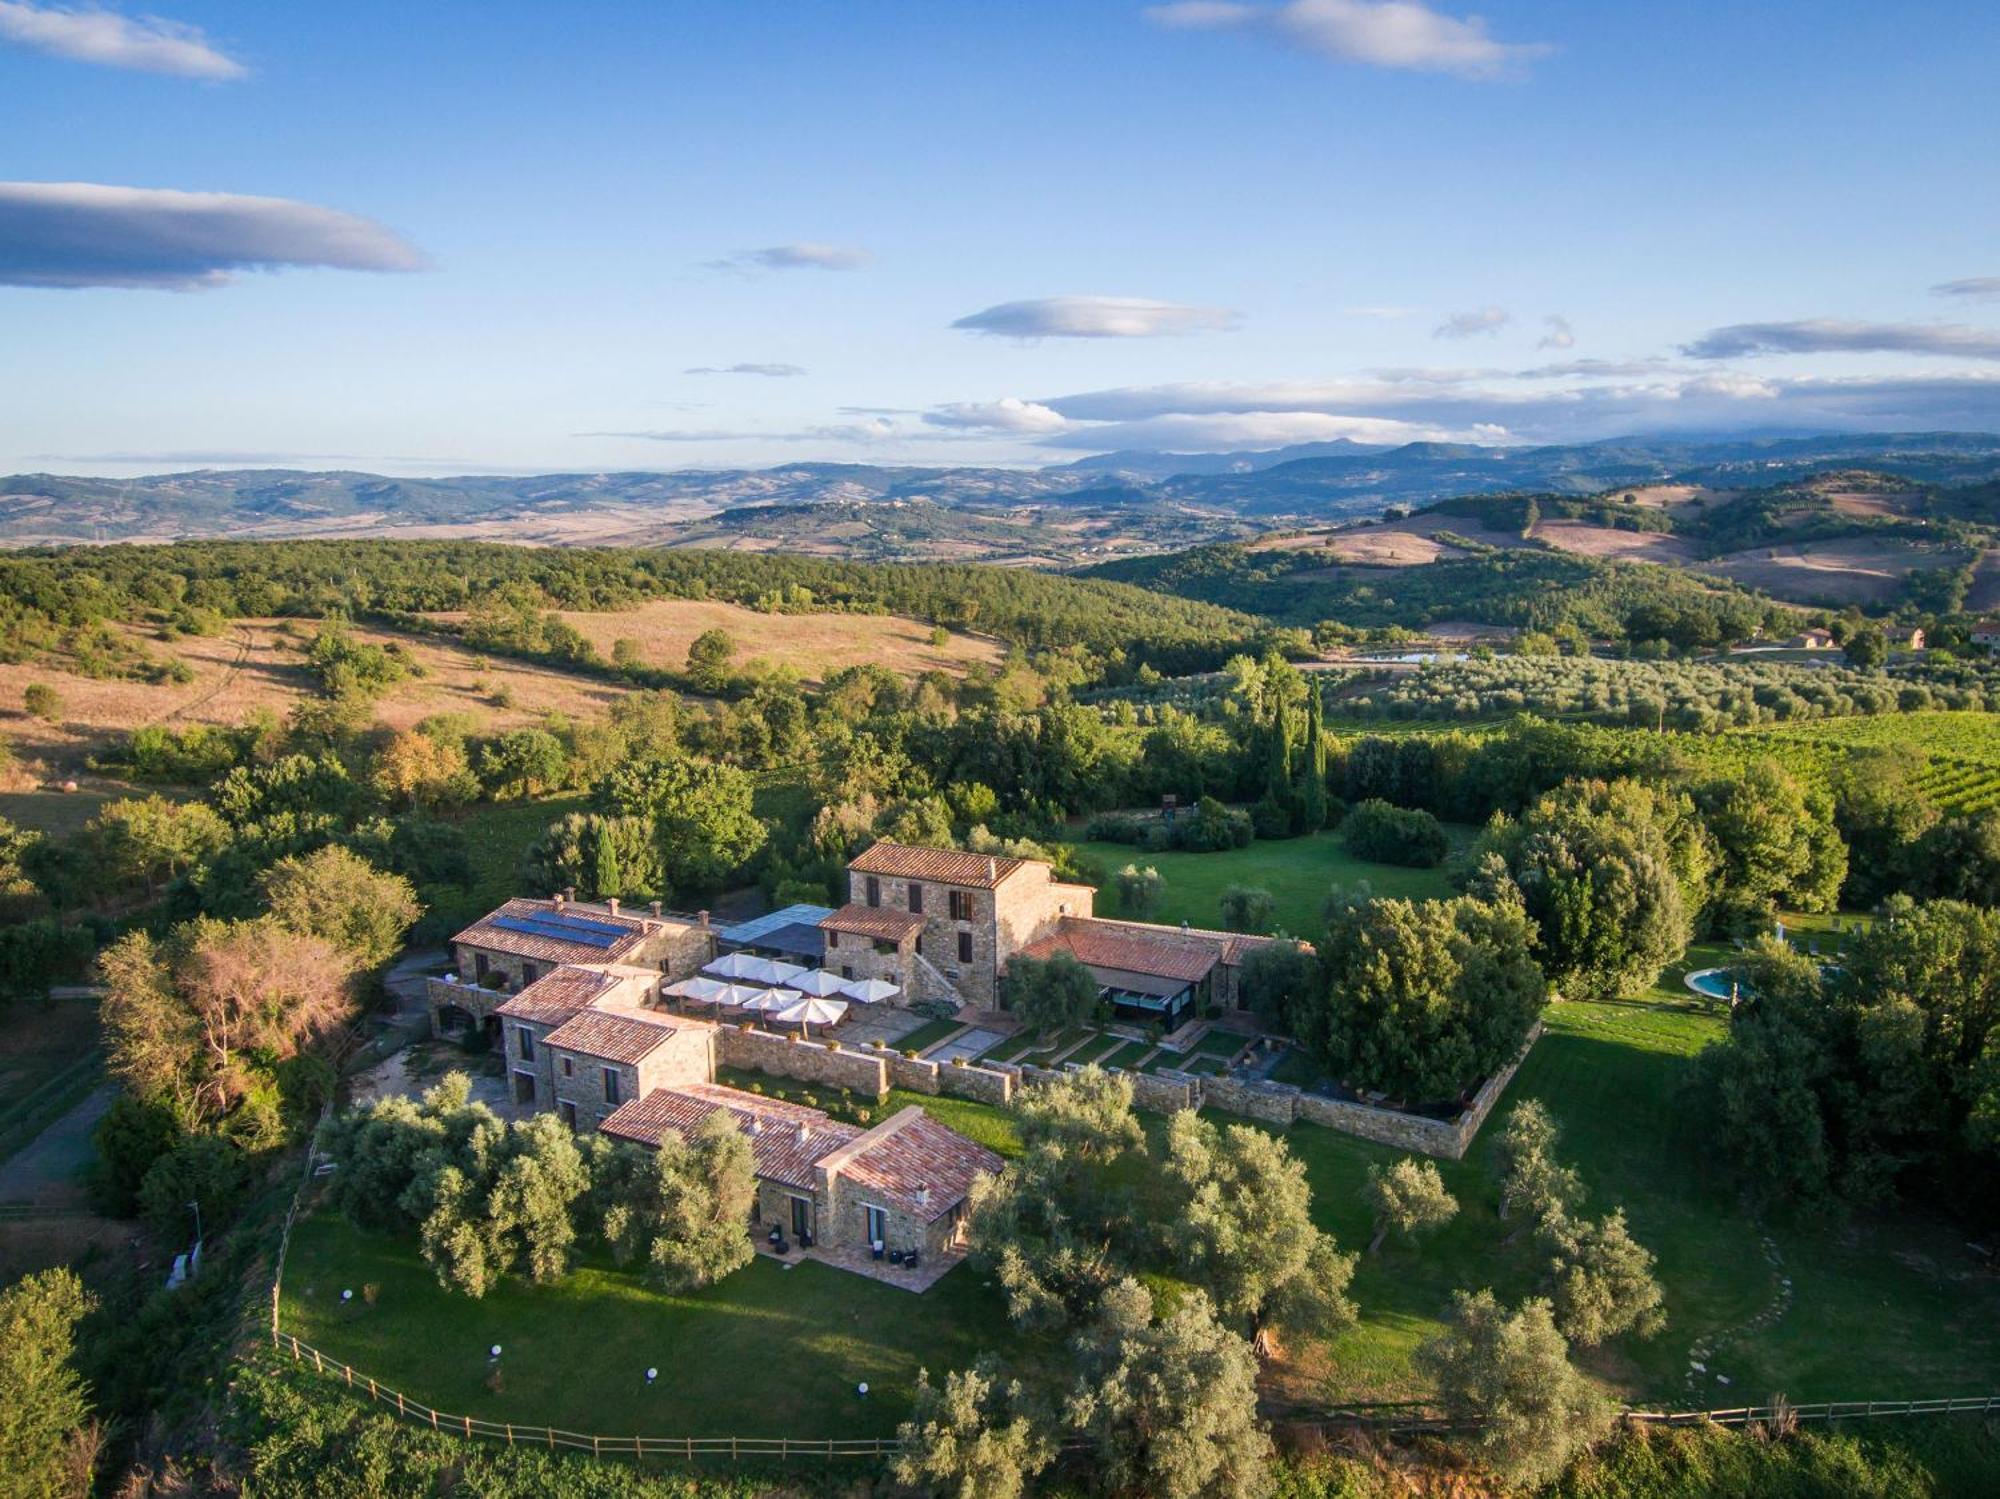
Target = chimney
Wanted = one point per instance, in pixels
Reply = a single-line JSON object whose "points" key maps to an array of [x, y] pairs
{"points": [[654, 907], [569, 892], [923, 1196], [701, 918], [805, 1132], [992, 869], [611, 904], [558, 897], [756, 1125]]}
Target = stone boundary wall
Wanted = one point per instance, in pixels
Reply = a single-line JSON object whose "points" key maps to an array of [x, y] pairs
{"points": [[980, 1084], [874, 1071], [866, 1072], [1449, 1138]]}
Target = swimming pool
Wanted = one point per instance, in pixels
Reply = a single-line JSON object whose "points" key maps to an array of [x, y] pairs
{"points": [[1715, 983]]}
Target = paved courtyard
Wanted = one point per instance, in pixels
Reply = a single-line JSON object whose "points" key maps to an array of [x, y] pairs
{"points": [[967, 1044], [866, 1024]]}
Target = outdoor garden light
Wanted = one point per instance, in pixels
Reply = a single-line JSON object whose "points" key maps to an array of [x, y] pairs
{"points": [[346, 1295], [651, 1375], [862, 1388], [495, 1351]]}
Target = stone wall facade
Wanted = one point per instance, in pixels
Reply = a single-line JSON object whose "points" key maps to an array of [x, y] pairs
{"points": [[994, 923], [473, 1000], [577, 1080], [865, 1072]]}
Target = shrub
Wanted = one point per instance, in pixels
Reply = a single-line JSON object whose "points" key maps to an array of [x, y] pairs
{"points": [[1118, 827], [1383, 834], [42, 701]]}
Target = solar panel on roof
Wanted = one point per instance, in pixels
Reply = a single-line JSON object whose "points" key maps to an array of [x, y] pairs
{"points": [[581, 923], [530, 927]]}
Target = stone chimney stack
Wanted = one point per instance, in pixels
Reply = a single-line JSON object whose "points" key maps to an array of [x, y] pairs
{"points": [[923, 1196], [805, 1132], [569, 892], [654, 907], [559, 900], [611, 904], [701, 918], [992, 869]]}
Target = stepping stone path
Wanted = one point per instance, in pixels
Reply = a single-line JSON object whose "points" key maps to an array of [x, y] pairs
{"points": [[1705, 1348]]}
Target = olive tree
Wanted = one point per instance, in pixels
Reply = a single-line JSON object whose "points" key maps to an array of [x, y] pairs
{"points": [[981, 1435], [1241, 1227], [1168, 1408], [1408, 1198], [1508, 1374]]}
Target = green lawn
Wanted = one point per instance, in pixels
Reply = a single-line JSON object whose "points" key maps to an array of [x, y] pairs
{"points": [[1297, 871], [771, 1351], [928, 1034]]}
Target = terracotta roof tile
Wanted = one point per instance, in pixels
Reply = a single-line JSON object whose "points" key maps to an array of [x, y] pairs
{"points": [[773, 1126], [556, 997], [914, 1163], [1163, 952], [947, 866], [610, 1035], [873, 921]]}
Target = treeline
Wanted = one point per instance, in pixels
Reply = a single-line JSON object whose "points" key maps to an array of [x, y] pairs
{"points": [[1531, 588], [1698, 697], [46, 591]]}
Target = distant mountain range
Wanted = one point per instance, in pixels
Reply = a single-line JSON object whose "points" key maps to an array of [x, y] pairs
{"points": [[1143, 498]]}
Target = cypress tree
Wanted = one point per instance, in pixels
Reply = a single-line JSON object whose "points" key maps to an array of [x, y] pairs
{"points": [[605, 877], [1312, 795]]}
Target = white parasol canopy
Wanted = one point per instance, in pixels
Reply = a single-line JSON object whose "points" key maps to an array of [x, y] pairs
{"points": [[818, 981], [870, 991], [765, 1001], [808, 1010], [734, 995], [753, 969], [697, 988]]}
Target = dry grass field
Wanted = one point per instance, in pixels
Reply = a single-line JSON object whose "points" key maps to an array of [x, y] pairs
{"points": [[1404, 543], [258, 664], [1610, 544], [1846, 571], [814, 645]]}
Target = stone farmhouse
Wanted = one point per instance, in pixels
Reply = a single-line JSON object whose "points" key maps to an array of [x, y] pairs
{"points": [[589, 1038], [570, 992]]}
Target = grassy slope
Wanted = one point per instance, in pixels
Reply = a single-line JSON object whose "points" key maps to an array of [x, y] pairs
{"points": [[771, 1351], [1297, 871]]}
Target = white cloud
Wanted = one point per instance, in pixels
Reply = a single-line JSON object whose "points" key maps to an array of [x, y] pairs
{"points": [[1524, 404], [1379, 33], [1975, 288], [144, 44], [1187, 433], [1009, 414], [1559, 335], [1096, 317], [1836, 336], [770, 371], [1471, 324], [70, 234], [794, 257]]}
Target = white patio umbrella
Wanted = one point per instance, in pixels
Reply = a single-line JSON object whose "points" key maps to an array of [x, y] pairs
{"points": [[818, 981], [753, 969], [809, 1010], [870, 991], [702, 990], [735, 995], [765, 1001]]}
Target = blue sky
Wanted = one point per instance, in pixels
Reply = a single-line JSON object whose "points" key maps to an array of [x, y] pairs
{"points": [[504, 234]]}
